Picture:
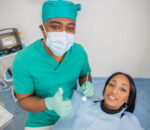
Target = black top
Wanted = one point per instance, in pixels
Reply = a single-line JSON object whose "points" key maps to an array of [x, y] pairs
{"points": [[109, 111]]}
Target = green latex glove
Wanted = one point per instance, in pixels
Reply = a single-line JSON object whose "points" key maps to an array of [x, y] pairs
{"points": [[87, 89], [56, 103]]}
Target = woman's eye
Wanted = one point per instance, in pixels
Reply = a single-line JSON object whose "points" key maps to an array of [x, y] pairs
{"points": [[111, 85], [123, 90]]}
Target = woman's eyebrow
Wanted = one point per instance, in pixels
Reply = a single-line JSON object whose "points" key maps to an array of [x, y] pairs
{"points": [[114, 80], [124, 85]]}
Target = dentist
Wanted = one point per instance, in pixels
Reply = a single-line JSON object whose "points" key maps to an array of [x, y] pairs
{"points": [[45, 73]]}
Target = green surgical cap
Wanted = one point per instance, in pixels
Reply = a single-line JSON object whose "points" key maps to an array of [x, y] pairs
{"points": [[58, 8]]}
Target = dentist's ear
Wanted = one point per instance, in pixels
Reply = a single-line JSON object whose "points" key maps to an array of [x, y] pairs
{"points": [[42, 30]]}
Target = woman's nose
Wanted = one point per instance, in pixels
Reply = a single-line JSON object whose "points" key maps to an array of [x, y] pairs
{"points": [[114, 90]]}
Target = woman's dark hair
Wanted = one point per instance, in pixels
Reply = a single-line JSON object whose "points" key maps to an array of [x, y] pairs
{"points": [[132, 94]]}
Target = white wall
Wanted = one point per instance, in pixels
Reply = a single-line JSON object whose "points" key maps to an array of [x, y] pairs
{"points": [[115, 33]]}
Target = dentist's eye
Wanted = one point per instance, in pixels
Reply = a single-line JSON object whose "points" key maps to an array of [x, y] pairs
{"points": [[70, 29], [54, 27]]}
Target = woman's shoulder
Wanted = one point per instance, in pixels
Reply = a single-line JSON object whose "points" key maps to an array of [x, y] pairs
{"points": [[130, 121]]}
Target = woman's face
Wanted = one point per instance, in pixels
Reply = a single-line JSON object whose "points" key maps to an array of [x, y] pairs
{"points": [[116, 92]]}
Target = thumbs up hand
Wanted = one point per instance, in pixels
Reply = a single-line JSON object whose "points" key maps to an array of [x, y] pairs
{"points": [[56, 103]]}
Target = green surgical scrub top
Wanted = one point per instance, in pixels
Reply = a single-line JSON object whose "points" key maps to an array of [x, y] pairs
{"points": [[35, 71]]}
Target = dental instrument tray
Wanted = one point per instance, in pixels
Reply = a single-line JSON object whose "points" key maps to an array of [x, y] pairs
{"points": [[9, 41]]}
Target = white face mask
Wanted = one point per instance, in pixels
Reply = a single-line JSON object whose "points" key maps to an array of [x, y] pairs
{"points": [[59, 42]]}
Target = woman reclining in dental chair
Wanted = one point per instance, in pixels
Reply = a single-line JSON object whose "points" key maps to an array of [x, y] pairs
{"points": [[114, 112]]}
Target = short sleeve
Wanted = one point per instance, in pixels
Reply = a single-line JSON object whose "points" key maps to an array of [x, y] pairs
{"points": [[23, 83], [85, 68]]}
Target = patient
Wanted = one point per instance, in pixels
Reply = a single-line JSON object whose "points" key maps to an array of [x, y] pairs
{"points": [[114, 112]]}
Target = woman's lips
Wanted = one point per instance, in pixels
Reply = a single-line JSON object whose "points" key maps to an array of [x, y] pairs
{"points": [[112, 98]]}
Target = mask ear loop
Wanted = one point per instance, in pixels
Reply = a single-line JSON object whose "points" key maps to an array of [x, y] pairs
{"points": [[45, 33]]}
